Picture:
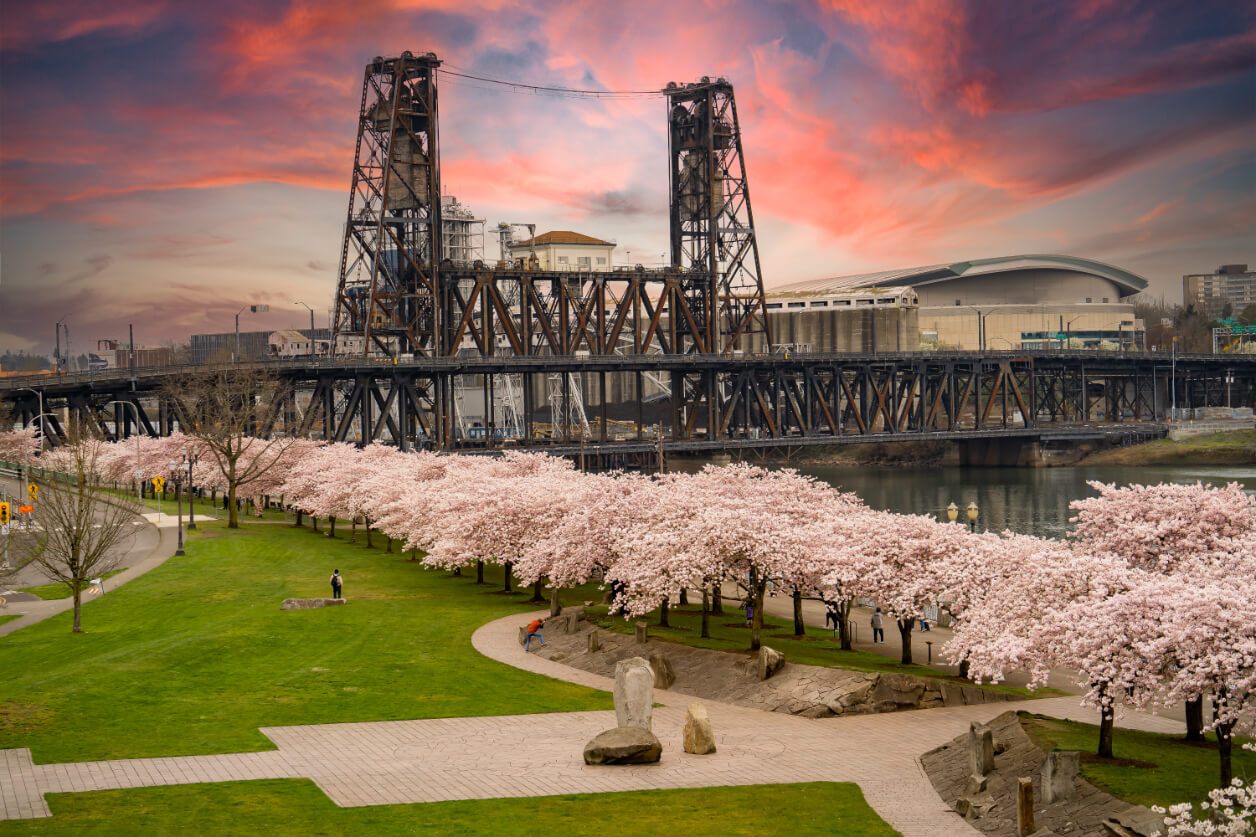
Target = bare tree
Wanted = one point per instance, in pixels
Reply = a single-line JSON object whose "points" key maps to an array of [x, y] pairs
{"points": [[232, 411], [85, 530]]}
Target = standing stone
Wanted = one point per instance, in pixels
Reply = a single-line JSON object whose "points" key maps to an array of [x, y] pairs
{"points": [[643, 632], [1025, 807], [664, 676], [634, 693], [980, 749], [1058, 772], [770, 662], [699, 737], [595, 643]]}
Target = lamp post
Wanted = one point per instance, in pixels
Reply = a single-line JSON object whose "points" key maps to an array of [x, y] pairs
{"points": [[189, 460], [256, 309], [178, 495], [981, 326], [952, 512], [311, 310], [972, 516], [42, 427], [1068, 330], [139, 473]]}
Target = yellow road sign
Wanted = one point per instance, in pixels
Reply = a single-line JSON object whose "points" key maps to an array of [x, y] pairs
{"points": [[158, 482], [32, 491]]}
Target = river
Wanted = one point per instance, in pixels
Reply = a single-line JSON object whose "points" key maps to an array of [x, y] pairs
{"points": [[1031, 501]]}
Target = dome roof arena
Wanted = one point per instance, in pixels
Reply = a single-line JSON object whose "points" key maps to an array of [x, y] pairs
{"points": [[1032, 270]]}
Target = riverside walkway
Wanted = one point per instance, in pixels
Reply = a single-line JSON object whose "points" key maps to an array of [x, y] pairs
{"points": [[391, 762]]}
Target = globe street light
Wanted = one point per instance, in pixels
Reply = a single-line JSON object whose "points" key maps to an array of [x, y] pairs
{"points": [[952, 512], [972, 516], [189, 460], [174, 475]]}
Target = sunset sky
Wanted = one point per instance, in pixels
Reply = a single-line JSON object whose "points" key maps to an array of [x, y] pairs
{"points": [[165, 163]]}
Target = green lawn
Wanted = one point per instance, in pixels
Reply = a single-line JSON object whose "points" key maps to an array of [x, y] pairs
{"points": [[299, 807], [9, 617], [57, 590], [1169, 770], [818, 648], [201, 644]]}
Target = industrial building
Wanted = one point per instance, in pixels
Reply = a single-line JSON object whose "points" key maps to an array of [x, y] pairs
{"points": [[854, 320], [254, 345], [1012, 302], [1210, 293], [564, 250]]}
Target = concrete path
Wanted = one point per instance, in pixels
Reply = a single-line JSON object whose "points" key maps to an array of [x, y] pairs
{"points": [[392, 762]]}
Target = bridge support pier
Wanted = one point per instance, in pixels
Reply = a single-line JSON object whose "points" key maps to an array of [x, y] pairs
{"points": [[998, 453]]}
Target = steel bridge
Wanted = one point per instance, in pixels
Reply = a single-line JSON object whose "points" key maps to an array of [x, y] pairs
{"points": [[693, 402]]}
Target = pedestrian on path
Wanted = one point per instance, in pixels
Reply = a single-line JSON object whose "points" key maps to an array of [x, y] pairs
{"points": [[924, 624], [749, 610], [878, 629], [336, 584], [830, 614], [534, 630]]}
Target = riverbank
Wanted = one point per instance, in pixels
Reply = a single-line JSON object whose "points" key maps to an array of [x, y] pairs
{"points": [[1234, 447]]}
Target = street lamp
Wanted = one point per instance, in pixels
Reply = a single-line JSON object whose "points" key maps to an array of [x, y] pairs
{"points": [[189, 461], [139, 473], [952, 512], [972, 516], [256, 309], [1068, 329], [178, 494], [43, 428], [981, 326], [311, 310]]}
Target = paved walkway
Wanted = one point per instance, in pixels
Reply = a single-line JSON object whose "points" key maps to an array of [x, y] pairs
{"points": [[392, 762]]}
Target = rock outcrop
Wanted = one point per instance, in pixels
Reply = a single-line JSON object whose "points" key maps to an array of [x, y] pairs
{"points": [[623, 745]]}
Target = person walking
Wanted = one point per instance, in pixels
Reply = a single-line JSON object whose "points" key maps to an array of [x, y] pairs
{"points": [[878, 627], [830, 614], [336, 584], [534, 630], [749, 610], [924, 624]]}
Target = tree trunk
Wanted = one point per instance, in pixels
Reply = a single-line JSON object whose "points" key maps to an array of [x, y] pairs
{"points": [[556, 602], [298, 514], [367, 522], [756, 625], [706, 613], [843, 624], [684, 596], [332, 533], [510, 566], [387, 545], [663, 615], [800, 629], [314, 522], [904, 635], [76, 587], [717, 599], [963, 669], [233, 512], [1225, 743], [1195, 719], [479, 572], [1107, 718], [538, 591], [353, 529]]}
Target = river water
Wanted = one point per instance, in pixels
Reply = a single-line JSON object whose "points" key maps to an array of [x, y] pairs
{"points": [[1031, 501]]}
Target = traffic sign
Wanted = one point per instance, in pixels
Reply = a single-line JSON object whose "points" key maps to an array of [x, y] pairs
{"points": [[25, 509], [32, 491], [158, 482]]}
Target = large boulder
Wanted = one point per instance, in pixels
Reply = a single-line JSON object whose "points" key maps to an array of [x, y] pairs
{"points": [[634, 693], [699, 737], [306, 604], [664, 676], [623, 745], [770, 662]]}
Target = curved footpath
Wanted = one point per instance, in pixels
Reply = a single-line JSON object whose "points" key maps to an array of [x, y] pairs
{"points": [[392, 762]]}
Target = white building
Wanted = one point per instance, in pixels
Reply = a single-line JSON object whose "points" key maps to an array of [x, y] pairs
{"points": [[565, 250]]}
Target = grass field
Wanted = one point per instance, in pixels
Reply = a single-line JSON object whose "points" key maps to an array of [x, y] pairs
{"points": [[818, 648], [58, 590], [299, 807], [9, 617], [1165, 769], [1233, 447], [201, 643]]}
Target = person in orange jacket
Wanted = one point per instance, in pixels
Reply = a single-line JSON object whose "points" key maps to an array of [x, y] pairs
{"points": [[534, 630]]}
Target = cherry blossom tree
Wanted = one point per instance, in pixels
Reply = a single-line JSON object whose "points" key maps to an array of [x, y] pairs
{"points": [[20, 446]]}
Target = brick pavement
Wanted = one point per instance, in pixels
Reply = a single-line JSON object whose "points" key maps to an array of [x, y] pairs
{"points": [[391, 762]]}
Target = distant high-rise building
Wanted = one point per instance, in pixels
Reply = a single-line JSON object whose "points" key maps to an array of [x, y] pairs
{"points": [[1231, 284]]}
